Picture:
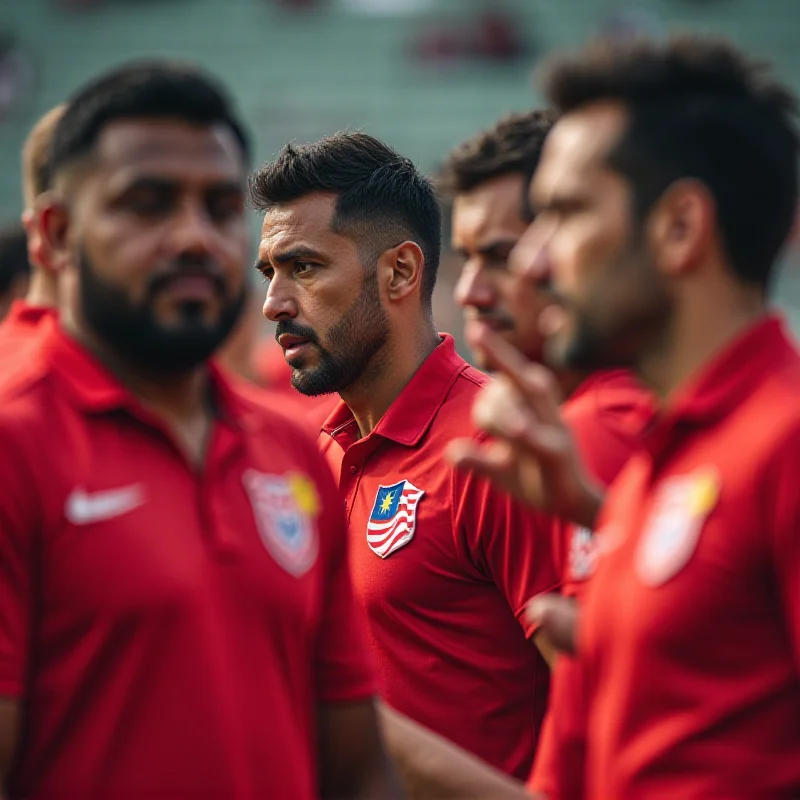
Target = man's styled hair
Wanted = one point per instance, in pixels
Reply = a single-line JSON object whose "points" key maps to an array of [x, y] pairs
{"points": [[36, 154], [698, 108], [13, 255], [160, 89], [512, 145], [382, 199]]}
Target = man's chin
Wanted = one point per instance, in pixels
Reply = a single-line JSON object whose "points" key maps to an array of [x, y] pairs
{"points": [[507, 335], [305, 384]]}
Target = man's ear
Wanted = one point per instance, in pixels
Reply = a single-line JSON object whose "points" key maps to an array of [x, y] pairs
{"points": [[402, 267], [47, 225], [681, 226]]}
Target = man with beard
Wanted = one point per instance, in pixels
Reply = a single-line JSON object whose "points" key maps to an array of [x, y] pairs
{"points": [[488, 178], [176, 618], [443, 566], [664, 196]]}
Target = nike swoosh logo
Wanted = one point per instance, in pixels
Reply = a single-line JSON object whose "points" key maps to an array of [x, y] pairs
{"points": [[83, 508]]}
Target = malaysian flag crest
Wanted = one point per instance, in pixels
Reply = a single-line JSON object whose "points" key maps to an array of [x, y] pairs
{"points": [[394, 517]]}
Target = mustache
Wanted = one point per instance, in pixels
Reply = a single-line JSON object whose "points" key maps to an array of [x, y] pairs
{"points": [[292, 328], [184, 266]]}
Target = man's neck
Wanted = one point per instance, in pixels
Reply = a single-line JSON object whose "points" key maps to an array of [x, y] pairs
{"points": [[42, 290], [697, 333], [177, 398], [372, 396]]}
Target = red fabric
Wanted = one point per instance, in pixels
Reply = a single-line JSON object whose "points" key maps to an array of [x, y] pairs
{"points": [[690, 634], [607, 414], [445, 611], [167, 640], [18, 332]]}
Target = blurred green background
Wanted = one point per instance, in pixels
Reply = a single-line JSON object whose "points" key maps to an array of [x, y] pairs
{"points": [[420, 74]]}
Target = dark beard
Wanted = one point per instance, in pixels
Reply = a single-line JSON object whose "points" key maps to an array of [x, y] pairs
{"points": [[138, 337], [627, 317], [351, 344]]}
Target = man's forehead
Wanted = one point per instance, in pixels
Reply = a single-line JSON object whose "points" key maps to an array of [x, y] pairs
{"points": [[309, 215], [497, 203], [305, 221], [579, 144], [140, 142]]}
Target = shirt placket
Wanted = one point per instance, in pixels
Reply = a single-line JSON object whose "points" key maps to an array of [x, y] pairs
{"points": [[352, 470], [214, 515]]}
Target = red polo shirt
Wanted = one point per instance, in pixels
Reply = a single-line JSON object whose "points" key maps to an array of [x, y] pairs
{"points": [[607, 415], [690, 635], [168, 629], [19, 328], [444, 566]]}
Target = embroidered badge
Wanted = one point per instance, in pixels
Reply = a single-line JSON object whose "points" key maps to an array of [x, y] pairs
{"points": [[679, 512], [581, 554], [394, 517], [285, 507]]}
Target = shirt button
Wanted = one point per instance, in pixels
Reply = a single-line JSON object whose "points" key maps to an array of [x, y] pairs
{"points": [[353, 469]]}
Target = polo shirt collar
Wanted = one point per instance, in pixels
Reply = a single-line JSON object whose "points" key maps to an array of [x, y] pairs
{"points": [[93, 388], [723, 383], [415, 408], [734, 372], [618, 390], [23, 313]]}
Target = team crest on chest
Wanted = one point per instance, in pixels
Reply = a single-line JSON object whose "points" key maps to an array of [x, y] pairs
{"points": [[394, 517], [285, 508], [673, 527], [582, 552]]}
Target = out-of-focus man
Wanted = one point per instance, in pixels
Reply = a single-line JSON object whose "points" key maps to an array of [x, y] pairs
{"points": [[664, 196], [15, 269], [176, 616], [40, 299]]}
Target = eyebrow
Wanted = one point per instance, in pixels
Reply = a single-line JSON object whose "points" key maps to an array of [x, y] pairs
{"points": [[172, 184], [556, 202], [494, 246], [287, 256]]}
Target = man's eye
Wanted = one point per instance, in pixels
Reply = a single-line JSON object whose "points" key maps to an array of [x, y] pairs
{"points": [[226, 209], [303, 267], [148, 203], [497, 261]]}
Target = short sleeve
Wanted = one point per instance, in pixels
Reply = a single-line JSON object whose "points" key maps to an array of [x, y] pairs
{"points": [[344, 670], [18, 531], [607, 425], [560, 766], [506, 541]]}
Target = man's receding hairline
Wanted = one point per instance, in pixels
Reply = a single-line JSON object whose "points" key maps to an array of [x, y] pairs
{"points": [[79, 163], [512, 172], [81, 160]]}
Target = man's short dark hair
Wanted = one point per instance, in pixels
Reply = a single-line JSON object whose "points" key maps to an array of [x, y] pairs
{"points": [[160, 89], [13, 255], [513, 145], [382, 198], [699, 108]]}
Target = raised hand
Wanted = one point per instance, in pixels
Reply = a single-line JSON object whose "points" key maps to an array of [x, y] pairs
{"points": [[531, 453]]}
